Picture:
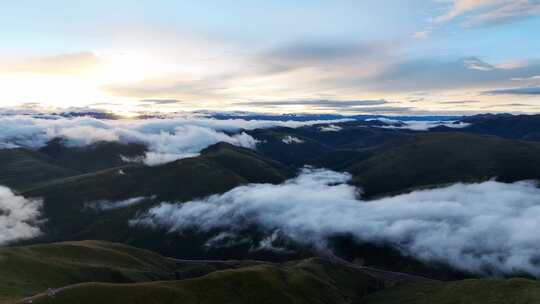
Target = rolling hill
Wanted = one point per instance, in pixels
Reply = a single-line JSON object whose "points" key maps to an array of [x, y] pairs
{"points": [[25, 271], [493, 291], [29, 270], [69, 202], [101, 272], [407, 161], [432, 159], [525, 127], [23, 168]]}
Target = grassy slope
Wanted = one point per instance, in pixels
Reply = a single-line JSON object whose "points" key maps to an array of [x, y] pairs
{"points": [[101, 272], [96, 157], [316, 144], [389, 161], [23, 168], [308, 281], [489, 291], [220, 168], [28, 270], [439, 158]]}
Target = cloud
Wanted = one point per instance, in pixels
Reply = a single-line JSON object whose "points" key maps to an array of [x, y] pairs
{"points": [[60, 64], [318, 53], [323, 103], [432, 74], [106, 205], [459, 102], [421, 35], [474, 63], [490, 12], [416, 125], [489, 228], [381, 110], [330, 128], [167, 139], [532, 78], [19, 217], [296, 69], [288, 140], [515, 91], [368, 106], [425, 125], [161, 101]]}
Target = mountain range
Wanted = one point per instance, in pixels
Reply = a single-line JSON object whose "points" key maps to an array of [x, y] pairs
{"points": [[94, 245]]}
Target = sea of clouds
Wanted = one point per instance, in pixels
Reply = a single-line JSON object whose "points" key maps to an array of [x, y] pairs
{"points": [[167, 139], [490, 228], [19, 217]]}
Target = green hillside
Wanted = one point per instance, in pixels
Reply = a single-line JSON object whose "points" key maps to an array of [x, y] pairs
{"points": [[219, 169], [91, 158], [28, 270], [308, 281], [440, 158], [103, 272], [23, 168], [489, 291]]}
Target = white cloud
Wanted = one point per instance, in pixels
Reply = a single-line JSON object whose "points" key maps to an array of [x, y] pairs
{"points": [[417, 125], [421, 35], [167, 139], [486, 12], [19, 216], [426, 125], [488, 228], [291, 140], [106, 205], [330, 128]]}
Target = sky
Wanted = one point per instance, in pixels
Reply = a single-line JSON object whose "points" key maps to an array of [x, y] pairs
{"points": [[352, 57]]}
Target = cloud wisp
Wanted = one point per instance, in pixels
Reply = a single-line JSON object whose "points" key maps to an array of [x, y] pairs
{"points": [[106, 205], [166, 139], [488, 228], [19, 217], [515, 91], [414, 125], [490, 12]]}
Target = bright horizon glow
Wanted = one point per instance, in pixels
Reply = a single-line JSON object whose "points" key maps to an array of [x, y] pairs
{"points": [[373, 57]]}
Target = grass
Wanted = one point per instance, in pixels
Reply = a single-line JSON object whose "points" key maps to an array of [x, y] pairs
{"points": [[25, 271], [308, 281], [441, 158], [22, 168], [219, 169], [485, 291]]}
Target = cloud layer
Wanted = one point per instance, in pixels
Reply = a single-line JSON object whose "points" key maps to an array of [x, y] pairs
{"points": [[167, 139], [19, 216], [488, 228]]}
